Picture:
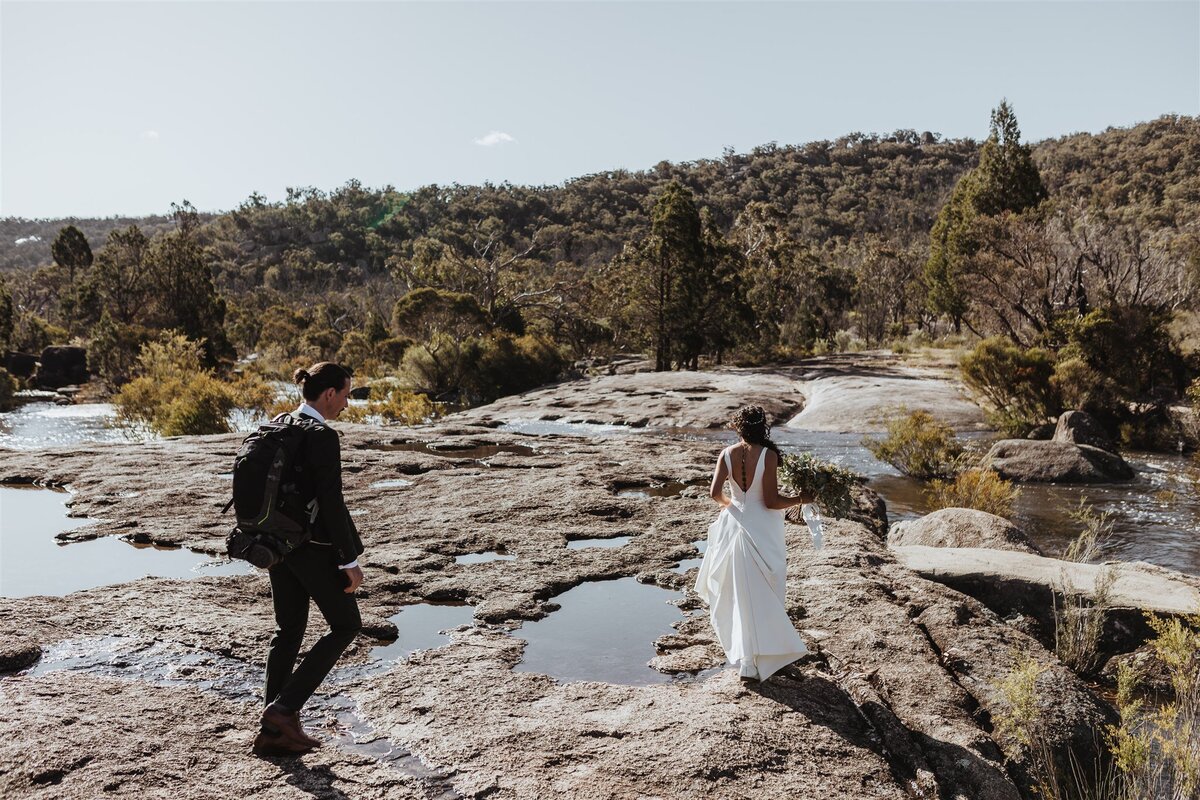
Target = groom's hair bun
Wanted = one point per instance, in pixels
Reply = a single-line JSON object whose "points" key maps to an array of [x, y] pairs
{"points": [[319, 377]]}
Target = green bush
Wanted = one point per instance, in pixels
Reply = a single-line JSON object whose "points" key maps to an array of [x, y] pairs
{"points": [[32, 334], [918, 445], [440, 367], [395, 404], [1017, 383], [8, 388], [981, 489], [1115, 362], [513, 364], [173, 395], [114, 349]]}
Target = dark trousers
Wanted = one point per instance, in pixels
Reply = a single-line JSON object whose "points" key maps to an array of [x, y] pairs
{"points": [[310, 571]]}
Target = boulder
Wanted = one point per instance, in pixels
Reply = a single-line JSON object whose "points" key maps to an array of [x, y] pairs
{"points": [[20, 365], [1079, 427], [961, 527], [17, 653], [1041, 432], [1030, 460], [62, 366]]}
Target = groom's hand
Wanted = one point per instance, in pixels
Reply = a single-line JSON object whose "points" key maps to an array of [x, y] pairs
{"points": [[354, 578]]}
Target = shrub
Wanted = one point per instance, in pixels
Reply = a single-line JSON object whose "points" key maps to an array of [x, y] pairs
{"points": [[1155, 750], [918, 445], [981, 489], [395, 405], [8, 388], [510, 365], [1015, 381], [832, 484], [440, 367], [252, 391], [173, 395], [1056, 772]]}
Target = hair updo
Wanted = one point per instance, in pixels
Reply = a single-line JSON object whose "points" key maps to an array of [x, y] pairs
{"points": [[752, 425], [316, 379]]}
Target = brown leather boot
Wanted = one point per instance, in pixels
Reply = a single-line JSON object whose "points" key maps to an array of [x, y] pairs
{"points": [[288, 726], [310, 741], [268, 745]]}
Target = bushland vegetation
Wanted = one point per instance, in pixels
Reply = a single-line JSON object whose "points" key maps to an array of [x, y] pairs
{"points": [[1154, 751], [1063, 249], [921, 447]]}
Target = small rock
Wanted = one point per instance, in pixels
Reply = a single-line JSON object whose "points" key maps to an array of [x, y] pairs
{"points": [[18, 654]]}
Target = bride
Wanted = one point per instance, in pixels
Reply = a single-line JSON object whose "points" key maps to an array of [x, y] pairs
{"points": [[744, 572]]}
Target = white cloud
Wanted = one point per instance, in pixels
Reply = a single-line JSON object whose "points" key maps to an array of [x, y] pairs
{"points": [[494, 138], [150, 136]]}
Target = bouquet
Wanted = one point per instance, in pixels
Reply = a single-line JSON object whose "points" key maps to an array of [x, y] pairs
{"points": [[830, 483]]}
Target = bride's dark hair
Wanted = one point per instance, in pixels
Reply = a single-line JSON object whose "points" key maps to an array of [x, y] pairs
{"points": [[750, 423]]}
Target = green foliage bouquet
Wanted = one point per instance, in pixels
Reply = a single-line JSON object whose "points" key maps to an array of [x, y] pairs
{"points": [[830, 483]]}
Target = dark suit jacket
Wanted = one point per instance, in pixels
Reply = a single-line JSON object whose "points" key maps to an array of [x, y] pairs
{"points": [[323, 478]]}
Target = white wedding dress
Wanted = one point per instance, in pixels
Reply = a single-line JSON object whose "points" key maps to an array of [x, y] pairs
{"points": [[743, 579]]}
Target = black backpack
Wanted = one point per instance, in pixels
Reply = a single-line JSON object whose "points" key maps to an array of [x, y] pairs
{"points": [[273, 514]]}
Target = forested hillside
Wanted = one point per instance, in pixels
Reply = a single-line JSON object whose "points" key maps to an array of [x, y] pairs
{"points": [[756, 256]]}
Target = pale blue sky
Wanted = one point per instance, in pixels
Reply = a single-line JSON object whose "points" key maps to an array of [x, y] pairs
{"points": [[121, 108]]}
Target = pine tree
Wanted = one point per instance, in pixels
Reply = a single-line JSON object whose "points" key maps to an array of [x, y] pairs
{"points": [[6, 315], [73, 254], [1006, 180], [666, 277]]}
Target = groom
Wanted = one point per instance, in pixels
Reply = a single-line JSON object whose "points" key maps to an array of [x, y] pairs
{"points": [[324, 569]]}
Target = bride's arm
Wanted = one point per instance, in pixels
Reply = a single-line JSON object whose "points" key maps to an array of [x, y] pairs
{"points": [[717, 490], [771, 496]]}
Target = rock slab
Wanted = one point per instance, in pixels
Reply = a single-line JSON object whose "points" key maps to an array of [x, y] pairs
{"points": [[961, 527]]}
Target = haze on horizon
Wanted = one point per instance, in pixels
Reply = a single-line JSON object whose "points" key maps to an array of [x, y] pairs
{"points": [[122, 108]]}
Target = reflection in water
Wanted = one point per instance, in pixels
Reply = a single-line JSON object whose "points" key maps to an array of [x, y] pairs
{"points": [[483, 558], [421, 627], [32, 562], [449, 450], [391, 483], [545, 427], [35, 425], [604, 631], [616, 541], [669, 489]]}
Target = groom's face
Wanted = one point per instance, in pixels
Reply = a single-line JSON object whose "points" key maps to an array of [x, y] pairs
{"points": [[338, 400]]}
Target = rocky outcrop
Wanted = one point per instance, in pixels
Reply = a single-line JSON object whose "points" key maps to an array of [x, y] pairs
{"points": [[654, 399], [861, 392], [1029, 460], [1079, 427], [1023, 585], [61, 366], [896, 699], [961, 527]]}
